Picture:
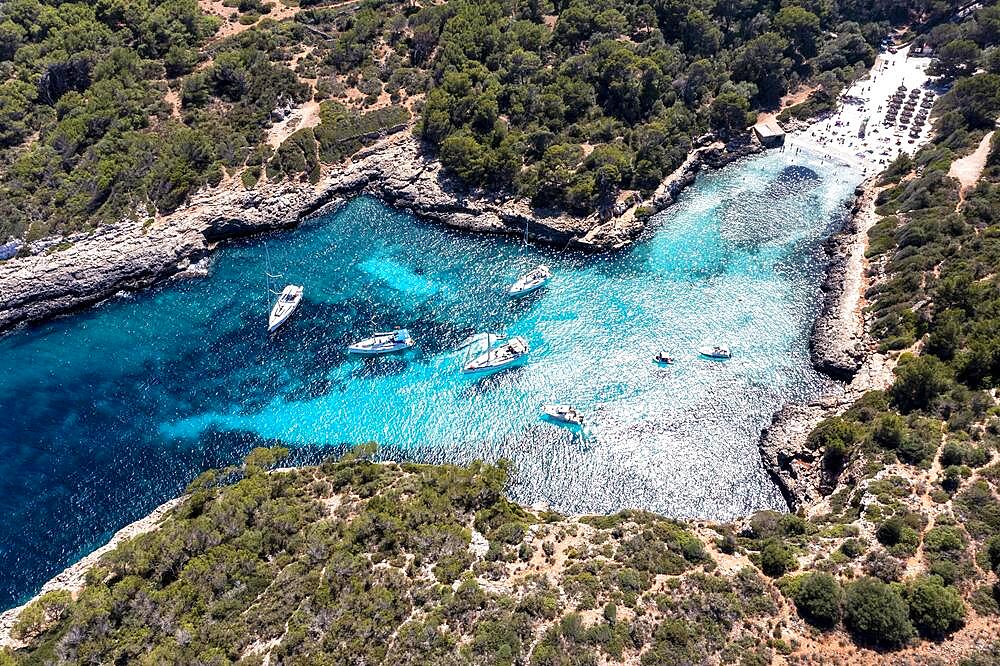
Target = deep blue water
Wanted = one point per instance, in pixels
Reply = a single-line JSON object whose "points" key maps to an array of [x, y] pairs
{"points": [[109, 412]]}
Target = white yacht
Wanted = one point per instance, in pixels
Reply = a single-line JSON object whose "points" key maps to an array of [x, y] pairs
{"points": [[383, 343], [289, 299], [500, 354], [715, 351], [529, 282], [563, 414]]}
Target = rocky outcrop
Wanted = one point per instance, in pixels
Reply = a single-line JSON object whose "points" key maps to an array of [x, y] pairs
{"points": [[794, 466], [84, 270], [838, 344]]}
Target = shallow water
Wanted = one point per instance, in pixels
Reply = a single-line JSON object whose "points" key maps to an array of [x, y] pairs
{"points": [[112, 411]]}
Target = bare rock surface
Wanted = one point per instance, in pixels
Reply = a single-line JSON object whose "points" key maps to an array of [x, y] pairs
{"points": [[838, 344], [87, 268]]}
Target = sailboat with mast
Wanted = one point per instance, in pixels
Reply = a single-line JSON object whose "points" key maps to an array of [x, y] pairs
{"points": [[288, 299]]}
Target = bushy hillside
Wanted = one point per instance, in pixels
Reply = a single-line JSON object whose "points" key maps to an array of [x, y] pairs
{"points": [[355, 562], [114, 109]]}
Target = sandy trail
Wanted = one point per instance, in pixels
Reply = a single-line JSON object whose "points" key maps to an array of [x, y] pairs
{"points": [[231, 26], [968, 169], [306, 115], [789, 100]]}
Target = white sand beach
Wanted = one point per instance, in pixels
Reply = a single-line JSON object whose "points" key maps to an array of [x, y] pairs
{"points": [[864, 131]]}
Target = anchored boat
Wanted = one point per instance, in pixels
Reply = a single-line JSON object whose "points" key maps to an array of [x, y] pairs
{"points": [[383, 343], [563, 414], [529, 282], [663, 358], [499, 354], [715, 351], [289, 299]]}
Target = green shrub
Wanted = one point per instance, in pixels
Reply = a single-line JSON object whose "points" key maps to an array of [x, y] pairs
{"points": [[944, 538], [935, 610], [836, 437], [952, 478], [890, 532], [250, 176], [889, 431], [852, 548], [49, 608], [919, 380], [818, 599], [986, 599], [876, 614], [776, 559], [992, 550]]}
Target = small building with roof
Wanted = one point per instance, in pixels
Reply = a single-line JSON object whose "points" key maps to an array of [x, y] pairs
{"points": [[769, 133]]}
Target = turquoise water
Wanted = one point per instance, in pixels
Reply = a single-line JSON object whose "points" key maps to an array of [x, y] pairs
{"points": [[112, 411]]}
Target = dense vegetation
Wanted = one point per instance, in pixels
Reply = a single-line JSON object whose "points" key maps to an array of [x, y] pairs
{"points": [[112, 109], [357, 562]]}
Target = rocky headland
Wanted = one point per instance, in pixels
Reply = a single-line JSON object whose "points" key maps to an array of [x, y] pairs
{"points": [[84, 269]]}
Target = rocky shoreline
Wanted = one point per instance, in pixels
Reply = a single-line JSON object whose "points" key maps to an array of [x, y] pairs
{"points": [[838, 344], [88, 268], [841, 348]]}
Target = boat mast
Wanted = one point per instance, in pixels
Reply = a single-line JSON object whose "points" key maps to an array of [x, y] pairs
{"points": [[267, 271]]}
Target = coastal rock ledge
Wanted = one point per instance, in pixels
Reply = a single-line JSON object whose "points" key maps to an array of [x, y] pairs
{"points": [[87, 268], [839, 346]]}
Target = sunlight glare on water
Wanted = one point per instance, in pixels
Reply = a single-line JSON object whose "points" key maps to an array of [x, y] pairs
{"points": [[112, 411]]}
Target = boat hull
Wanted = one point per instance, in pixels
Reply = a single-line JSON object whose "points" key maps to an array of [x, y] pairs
{"points": [[561, 420], [275, 325], [519, 293], [283, 310], [516, 363], [364, 351]]}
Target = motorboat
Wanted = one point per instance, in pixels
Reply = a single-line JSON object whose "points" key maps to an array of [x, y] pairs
{"points": [[531, 281], [715, 351], [664, 358], [289, 299], [499, 354], [383, 343], [563, 414]]}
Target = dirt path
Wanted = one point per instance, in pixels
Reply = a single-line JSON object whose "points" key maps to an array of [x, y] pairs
{"points": [[231, 24], [800, 95], [301, 117], [968, 169]]}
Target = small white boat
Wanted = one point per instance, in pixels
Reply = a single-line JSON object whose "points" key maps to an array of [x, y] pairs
{"points": [[715, 351], [283, 309], [383, 343], [503, 353], [529, 282], [664, 358], [563, 414]]}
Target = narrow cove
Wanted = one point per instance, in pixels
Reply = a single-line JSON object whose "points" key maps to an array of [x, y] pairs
{"points": [[112, 411]]}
